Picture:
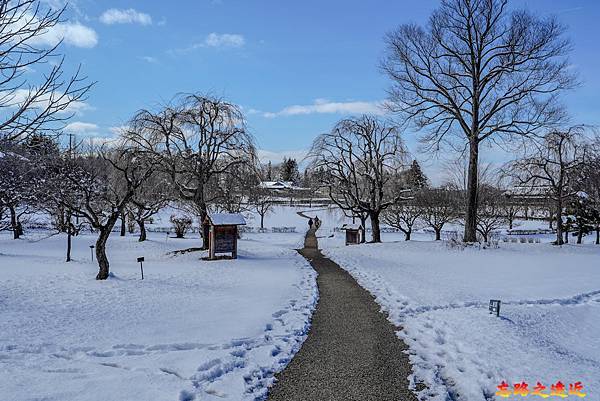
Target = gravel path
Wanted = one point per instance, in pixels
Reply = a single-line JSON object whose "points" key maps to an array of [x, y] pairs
{"points": [[352, 352]]}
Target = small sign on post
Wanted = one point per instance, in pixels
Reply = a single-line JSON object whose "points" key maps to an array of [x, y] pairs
{"points": [[495, 306], [92, 251], [141, 260]]}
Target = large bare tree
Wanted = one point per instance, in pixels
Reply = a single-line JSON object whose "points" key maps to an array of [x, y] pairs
{"points": [[34, 103], [478, 71], [360, 159], [199, 140]]}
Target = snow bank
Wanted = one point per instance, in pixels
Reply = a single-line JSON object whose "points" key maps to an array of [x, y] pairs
{"points": [[549, 319], [191, 330]]}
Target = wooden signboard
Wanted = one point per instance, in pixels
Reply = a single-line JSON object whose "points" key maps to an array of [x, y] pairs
{"points": [[225, 238], [353, 234], [223, 233]]}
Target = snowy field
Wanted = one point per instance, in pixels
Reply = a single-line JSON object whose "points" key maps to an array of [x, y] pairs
{"points": [[549, 323], [196, 330], [191, 330]]}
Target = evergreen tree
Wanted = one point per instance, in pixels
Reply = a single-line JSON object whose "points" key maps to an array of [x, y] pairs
{"points": [[416, 179], [289, 170], [582, 214]]}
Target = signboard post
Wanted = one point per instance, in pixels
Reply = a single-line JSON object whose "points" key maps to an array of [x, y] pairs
{"points": [[92, 251], [141, 260]]}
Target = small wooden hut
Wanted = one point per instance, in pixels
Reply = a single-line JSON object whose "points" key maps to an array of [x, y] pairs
{"points": [[223, 233], [353, 233]]}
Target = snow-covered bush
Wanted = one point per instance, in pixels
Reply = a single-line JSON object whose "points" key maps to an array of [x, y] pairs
{"points": [[181, 225]]}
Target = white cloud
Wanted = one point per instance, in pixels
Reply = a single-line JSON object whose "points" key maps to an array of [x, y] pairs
{"points": [[322, 106], [79, 127], [15, 98], [129, 16], [71, 33], [150, 59], [214, 40], [224, 40]]}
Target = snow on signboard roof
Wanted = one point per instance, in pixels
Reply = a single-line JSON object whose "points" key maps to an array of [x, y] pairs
{"points": [[227, 219], [351, 227]]}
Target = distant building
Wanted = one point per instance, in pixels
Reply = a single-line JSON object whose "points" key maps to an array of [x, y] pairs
{"points": [[278, 185]]}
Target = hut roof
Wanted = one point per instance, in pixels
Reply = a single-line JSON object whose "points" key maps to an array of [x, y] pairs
{"points": [[227, 219]]}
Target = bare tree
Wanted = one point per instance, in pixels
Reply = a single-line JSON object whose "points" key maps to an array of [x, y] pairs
{"points": [[199, 140], [360, 158], [262, 202], [39, 103], [553, 164], [18, 186], [439, 207], [153, 195], [404, 217], [478, 71], [492, 215], [98, 187]]}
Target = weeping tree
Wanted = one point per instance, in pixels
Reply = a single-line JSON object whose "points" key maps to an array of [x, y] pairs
{"points": [[199, 141], [360, 159], [478, 71]]}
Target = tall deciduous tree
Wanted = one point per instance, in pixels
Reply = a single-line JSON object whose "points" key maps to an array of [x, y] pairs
{"points": [[361, 158], [478, 71]]}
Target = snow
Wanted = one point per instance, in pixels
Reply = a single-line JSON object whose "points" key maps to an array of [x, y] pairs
{"points": [[547, 330], [197, 330], [191, 330], [227, 219]]}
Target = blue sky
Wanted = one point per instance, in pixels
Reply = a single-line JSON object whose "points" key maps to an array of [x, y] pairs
{"points": [[269, 56]]}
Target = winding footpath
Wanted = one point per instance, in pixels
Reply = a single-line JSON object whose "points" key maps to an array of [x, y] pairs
{"points": [[352, 351]]}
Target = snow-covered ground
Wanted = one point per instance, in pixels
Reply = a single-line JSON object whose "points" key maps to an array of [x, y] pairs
{"points": [[218, 330], [191, 330], [549, 323]]}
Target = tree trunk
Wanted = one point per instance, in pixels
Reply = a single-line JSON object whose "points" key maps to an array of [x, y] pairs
{"points": [[566, 236], [262, 221], [123, 225], [598, 235], [101, 253], [438, 233], [14, 224], [510, 223], [559, 225], [142, 225], [375, 232], [69, 244], [69, 235], [363, 223], [470, 234], [407, 234], [579, 235]]}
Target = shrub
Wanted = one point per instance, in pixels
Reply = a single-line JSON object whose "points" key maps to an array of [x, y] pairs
{"points": [[181, 225]]}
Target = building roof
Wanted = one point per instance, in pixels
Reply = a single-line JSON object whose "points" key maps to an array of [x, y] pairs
{"points": [[277, 184], [227, 219]]}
